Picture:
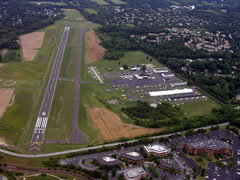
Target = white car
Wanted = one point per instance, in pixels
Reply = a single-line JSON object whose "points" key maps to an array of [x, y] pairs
{"points": [[238, 172]]}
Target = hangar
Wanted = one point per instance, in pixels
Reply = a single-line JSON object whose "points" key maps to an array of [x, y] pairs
{"points": [[170, 92]]}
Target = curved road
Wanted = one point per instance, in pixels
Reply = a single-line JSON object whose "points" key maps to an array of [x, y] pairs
{"points": [[93, 147], [41, 170]]}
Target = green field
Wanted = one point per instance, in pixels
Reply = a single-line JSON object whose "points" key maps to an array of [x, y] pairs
{"points": [[198, 108], [118, 2], [90, 11], [100, 2], [60, 119]]}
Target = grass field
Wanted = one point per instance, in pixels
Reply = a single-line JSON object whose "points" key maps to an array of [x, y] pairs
{"points": [[90, 10], [118, 2], [100, 2], [69, 63], [60, 119], [198, 108]]}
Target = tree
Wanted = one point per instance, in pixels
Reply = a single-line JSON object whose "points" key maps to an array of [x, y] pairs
{"points": [[113, 172], [121, 177], [105, 177]]}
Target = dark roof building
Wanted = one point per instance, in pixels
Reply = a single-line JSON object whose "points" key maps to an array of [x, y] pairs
{"points": [[109, 161], [167, 164], [132, 156], [209, 146], [136, 173]]}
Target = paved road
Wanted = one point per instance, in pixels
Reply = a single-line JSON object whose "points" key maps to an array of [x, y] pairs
{"points": [[90, 148], [78, 136], [41, 123], [13, 167]]}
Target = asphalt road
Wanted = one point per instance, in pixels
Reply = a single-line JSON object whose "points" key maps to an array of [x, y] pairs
{"points": [[89, 148], [13, 167], [41, 123]]}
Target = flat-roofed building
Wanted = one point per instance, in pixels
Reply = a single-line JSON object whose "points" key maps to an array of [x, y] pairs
{"points": [[168, 74], [168, 164], [109, 161], [171, 92], [132, 156], [209, 146], [178, 84], [136, 173], [156, 149], [160, 70]]}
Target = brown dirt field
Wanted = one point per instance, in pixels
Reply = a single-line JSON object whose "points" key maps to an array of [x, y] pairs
{"points": [[5, 98], [69, 10], [95, 52], [111, 127], [1, 65], [31, 42]]}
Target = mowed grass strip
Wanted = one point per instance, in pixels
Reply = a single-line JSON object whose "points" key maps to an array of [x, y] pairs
{"points": [[100, 2], [60, 119], [70, 58], [118, 2], [73, 37], [90, 10], [69, 63], [87, 98]]}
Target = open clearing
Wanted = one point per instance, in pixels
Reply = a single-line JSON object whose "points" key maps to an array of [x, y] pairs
{"points": [[31, 42], [1, 65], [69, 10], [95, 52], [5, 98], [112, 128]]}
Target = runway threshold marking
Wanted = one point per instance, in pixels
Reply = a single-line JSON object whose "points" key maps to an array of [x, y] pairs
{"points": [[41, 123]]}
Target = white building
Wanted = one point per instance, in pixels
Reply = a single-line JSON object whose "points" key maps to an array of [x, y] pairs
{"points": [[171, 92], [136, 173], [160, 70], [156, 149]]}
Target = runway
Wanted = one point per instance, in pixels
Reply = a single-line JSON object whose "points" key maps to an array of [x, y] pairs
{"points": [[42, 120]]}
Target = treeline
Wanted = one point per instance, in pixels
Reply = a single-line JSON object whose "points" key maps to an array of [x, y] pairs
{"points": [[145, 115], [165, 115]]}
